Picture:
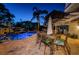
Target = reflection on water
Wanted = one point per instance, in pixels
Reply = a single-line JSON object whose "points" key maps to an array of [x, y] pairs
{"points": [[21, 36]]}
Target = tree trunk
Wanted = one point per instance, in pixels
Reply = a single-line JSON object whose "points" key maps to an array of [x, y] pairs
{"points": [[38, 23]]}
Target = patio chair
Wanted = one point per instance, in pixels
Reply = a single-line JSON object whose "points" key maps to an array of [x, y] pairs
{"points": [[40, 38], [43, 38], [48, 42], [62, 43]]}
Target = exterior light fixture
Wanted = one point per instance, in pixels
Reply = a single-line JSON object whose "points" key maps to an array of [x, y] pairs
{"points": [[78, 27]]}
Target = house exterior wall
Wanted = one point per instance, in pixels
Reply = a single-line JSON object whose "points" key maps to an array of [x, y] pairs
{"points": [[3, 30], [73, 28]]}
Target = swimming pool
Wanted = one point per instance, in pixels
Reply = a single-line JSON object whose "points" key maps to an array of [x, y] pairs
{"points": [[21, 36]]}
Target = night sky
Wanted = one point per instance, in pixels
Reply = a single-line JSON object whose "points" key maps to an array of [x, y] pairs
{"points": [[24, 10]]}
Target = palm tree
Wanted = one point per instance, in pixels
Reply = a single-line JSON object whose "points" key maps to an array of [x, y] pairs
{"points": [[36, 14]]}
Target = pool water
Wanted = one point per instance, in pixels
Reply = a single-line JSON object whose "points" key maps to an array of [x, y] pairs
{"points": [[21, 36]]}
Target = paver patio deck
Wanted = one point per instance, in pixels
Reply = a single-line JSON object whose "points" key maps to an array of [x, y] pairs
{"points": [[29, 47]]}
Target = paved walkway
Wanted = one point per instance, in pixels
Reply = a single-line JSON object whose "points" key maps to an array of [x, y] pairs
{"points": [[24, 47], [29, 47]]}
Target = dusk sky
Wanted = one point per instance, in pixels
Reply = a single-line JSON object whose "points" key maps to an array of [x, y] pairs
{"points": [[24, 10]]}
